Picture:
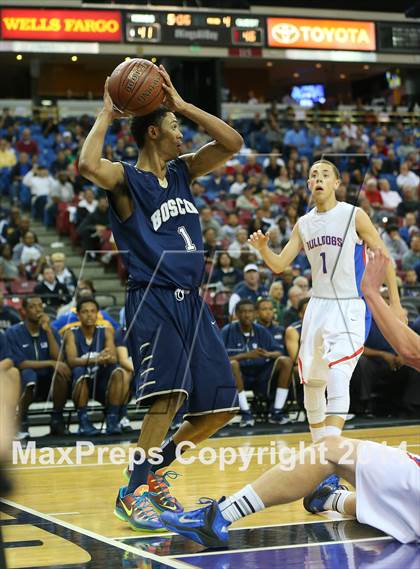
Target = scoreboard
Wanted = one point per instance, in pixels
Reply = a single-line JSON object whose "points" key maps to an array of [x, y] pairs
{"points": [[189, 28]]}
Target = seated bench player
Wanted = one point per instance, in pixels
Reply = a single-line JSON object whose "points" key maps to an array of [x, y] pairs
{"points": [[92, 356], [35, 350], [256, 362]]}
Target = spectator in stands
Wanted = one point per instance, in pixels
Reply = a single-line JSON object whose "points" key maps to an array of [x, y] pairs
{"points": [[26, 144], [67, 315], [60, 163], [230, 228], [295, 138], [407, 178], [92, 355], [29, 256], [390, 198], [294, 294], [283, 185], [208, 221], [272, 169], [63, 274], [217, 185], [262, 219], [349, 129], [247, 200], [238, 185], [409, 227], [210, 244], [240, 250], [8, 268], [86, 205], [8, 315], [411, 259], [291, 216], [391, 164], [256, 363], [61, 192], [17, 231], [276, 295], [7, 155], [93, 226], [197, 191], [340, 142], [40, 183], [6, 119], [407, 146], [200, 138], [410, 203], [9, 223], [52, 292], [372, 193], [252, 167], [411, 285], [18, 192], [250, 288], [225, 273], [35, 349], [396, 246], [303, 284]]}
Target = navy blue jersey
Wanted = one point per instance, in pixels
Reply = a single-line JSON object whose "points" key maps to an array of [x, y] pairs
{"points": [[161, 241], [277, 332], [23, 346], [236, 342], [94, 348]]}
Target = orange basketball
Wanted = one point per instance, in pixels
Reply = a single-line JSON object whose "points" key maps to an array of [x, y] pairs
{"points": [[135, 87]]}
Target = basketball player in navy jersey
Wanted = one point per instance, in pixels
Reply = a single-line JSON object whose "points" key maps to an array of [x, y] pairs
{"points": [[92, 355], [176, 347]]}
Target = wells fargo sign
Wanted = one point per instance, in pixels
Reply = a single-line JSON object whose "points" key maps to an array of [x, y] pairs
{"points": [[321, 34], [80, 25]]}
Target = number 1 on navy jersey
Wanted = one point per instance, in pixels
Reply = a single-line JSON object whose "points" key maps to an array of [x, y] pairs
{"points": [[324, 263], [189, 245]]}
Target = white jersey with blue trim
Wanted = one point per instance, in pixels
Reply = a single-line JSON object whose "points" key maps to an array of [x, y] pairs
{"points": [[335, 252]]}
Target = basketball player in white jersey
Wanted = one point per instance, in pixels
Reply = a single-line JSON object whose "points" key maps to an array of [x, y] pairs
{"points": [[334, 236]]}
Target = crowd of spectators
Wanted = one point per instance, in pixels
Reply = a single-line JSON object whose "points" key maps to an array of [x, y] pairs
{"points": [[264, 187]]}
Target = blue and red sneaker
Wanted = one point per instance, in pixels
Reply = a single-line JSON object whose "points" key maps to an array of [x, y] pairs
{"points": [[314, 502], [205, 525]]}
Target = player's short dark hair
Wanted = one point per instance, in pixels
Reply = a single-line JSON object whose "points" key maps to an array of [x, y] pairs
{"points": [[244, 302], [302, 302], [261, 300], [139, 125], [27, 299], [84, 300], [329, 163]]}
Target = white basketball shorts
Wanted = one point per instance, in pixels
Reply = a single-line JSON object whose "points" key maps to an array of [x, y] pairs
{"points": [[333, 333]]}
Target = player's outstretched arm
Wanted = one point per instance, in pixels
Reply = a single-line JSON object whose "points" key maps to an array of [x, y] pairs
{"points": [[104, 173], [277, 263], [404, 341], [367, 231], [226, 143]]}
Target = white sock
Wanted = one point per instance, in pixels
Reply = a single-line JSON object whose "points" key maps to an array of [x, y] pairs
{"points": [[243, 401], [317, 433], [241, 504], [281, 396], [330, 430], [336, 501]]}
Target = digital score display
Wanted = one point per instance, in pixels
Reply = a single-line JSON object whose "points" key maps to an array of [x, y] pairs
{"points": [[193, 28]]}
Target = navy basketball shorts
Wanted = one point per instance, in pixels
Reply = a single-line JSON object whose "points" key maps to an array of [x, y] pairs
{"points": [[98, 378], [40, 379], [258, 378], [177, 347]]}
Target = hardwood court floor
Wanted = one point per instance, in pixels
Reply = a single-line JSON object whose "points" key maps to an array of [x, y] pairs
{"points": [[83, 495]]}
